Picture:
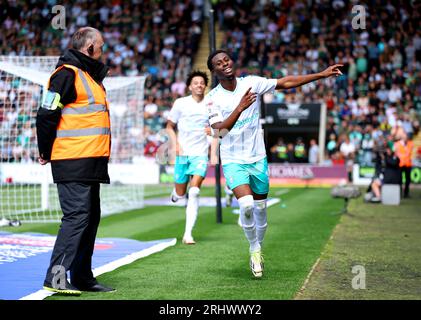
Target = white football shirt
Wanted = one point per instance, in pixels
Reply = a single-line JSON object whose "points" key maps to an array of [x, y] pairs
{"points": [[191, 118], [244, 143]]}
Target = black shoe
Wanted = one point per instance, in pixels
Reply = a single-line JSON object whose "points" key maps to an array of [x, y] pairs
{"points": [[68, 289], [97, 287]]}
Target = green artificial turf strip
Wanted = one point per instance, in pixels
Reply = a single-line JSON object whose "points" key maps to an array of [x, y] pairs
{"points": [[217, 267]]}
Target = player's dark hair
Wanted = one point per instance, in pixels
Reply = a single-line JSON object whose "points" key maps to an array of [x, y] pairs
{"points": [[197, 73], [213, 54]]}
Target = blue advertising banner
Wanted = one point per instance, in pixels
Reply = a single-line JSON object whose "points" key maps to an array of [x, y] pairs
{"points": [[24, 259]]}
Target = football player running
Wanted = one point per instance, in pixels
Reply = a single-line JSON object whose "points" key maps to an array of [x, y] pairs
{"points": [[190, 147]]}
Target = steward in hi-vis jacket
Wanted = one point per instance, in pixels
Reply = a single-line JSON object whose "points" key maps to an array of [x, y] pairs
{"points": [[73, 131]]}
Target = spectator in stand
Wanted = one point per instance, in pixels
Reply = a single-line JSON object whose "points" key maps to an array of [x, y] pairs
{"points": [[179, 87], [379, 62], [407, 126], [151, 107], [331, 145], [347, 150], [279, 151], [382, 63], [313, 152], [300, 152], [397, 131], [367, 146], [290, 153]]}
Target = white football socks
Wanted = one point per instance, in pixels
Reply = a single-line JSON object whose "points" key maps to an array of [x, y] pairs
{"points": [[192, 210], [175, 197], [247, 221], [260, 218]]}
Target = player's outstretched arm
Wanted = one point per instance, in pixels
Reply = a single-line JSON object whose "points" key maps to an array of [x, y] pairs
{"points": [[224, 126], [289, 82]]}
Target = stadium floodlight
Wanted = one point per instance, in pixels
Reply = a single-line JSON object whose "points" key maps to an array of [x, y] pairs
{"points": [[27, 192]]}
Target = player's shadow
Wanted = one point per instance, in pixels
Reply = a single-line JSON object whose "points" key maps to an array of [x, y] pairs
{"points": [[239, 273]]}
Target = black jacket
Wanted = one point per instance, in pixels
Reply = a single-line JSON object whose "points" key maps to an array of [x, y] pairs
{"points": [[62, 82], [392, 174]]}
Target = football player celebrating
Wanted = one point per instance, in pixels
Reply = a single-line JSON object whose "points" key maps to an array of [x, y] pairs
{"points": [[234, 112]]}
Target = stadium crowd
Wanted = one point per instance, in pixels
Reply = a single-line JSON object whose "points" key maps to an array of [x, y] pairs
{"points": [[156, 39], [377, 98]]}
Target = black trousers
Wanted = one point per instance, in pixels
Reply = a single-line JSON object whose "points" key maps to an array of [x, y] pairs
{"points": [[75, 242], [407, 172]]}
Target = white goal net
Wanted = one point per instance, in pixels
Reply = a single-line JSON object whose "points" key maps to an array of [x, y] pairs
{"points": [[27, 192]]}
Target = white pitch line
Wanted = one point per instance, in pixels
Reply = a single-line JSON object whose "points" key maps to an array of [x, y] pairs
{"points": [[304, 286], [155, 193], [313, 268], [133, 257], [281, 192], [272, 201], [42, 294]]}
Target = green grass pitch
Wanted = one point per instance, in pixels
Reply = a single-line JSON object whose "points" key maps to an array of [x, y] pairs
{"points": [[217, 267]]}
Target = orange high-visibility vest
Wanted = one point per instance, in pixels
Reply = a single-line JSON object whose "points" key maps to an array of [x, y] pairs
{"points": [[84, 128], [404, 153]]}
